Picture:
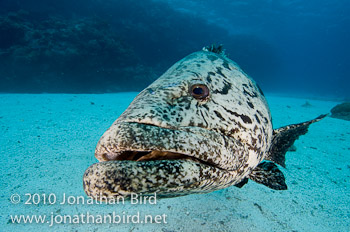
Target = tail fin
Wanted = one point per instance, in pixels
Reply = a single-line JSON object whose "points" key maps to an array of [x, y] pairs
{"points": [[284, 138]]}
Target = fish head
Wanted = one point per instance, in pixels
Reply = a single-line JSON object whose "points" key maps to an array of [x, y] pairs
{"points": [[200, 127]]}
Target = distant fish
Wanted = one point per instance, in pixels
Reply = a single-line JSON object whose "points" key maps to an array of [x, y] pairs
{"points": [[203, 125], [341, 111]]}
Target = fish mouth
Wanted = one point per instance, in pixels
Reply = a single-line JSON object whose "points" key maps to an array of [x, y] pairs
{"points": [[143, 158], [130, 155]]}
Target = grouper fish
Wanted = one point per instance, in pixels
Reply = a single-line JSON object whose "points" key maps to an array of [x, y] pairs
{"points": [[203, 125]]}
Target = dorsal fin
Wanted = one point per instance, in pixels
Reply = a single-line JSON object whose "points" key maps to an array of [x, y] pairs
{"points": [[215, 49], [284, 137]]}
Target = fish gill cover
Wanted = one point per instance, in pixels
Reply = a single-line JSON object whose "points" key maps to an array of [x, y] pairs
{"points": [[103, 46]]}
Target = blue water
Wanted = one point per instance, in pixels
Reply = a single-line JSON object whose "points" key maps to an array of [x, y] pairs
{"points": [[294, 47]]}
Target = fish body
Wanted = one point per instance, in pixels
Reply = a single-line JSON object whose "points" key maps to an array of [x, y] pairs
{"points": [[203, 125]]}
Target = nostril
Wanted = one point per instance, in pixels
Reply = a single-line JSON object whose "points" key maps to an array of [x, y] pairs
{"points": [[109, 156]]}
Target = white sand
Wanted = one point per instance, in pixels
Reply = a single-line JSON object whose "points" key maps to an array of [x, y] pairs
{"points": [[47, 142]]}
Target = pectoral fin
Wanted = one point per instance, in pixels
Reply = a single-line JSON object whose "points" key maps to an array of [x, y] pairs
{"points": [[268, 174], [242, 183]]}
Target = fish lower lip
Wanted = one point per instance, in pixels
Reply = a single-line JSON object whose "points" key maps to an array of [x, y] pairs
{"points": [[167, 178]]}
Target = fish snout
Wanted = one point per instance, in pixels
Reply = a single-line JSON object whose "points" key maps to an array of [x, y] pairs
{"points": [[106, 149]]}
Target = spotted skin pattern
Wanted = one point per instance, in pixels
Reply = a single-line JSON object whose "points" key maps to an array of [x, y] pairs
{"points": [[224, 136]]}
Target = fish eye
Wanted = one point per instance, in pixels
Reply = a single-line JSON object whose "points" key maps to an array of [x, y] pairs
{"points": [[199, 91]]}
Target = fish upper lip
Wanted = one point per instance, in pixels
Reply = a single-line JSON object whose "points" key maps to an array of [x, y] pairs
{"points": [[136, 155], [140, 155], [130, 140]]}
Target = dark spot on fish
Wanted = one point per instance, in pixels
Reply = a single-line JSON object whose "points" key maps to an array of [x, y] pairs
{"points": [[198, 65], [250, 105], [234, 131], [225, 89], [253, 148], [196, 74], [191, 123], [244, 118], [208, 79], [225, 64], [259, 137], [201, 125], [257, 118], [265, 119], [211, 57], [219, 71], [249, 94], [206, 107], [165, 117], [260, 91], [254, 140], [204, 119], [260, 113], [219, 115]]}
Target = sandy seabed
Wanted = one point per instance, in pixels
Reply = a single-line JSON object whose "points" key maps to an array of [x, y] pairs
{"points": [[48, 140]]}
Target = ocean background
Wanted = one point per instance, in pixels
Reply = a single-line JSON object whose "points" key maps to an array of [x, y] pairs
{"points": [[68, 69]]}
